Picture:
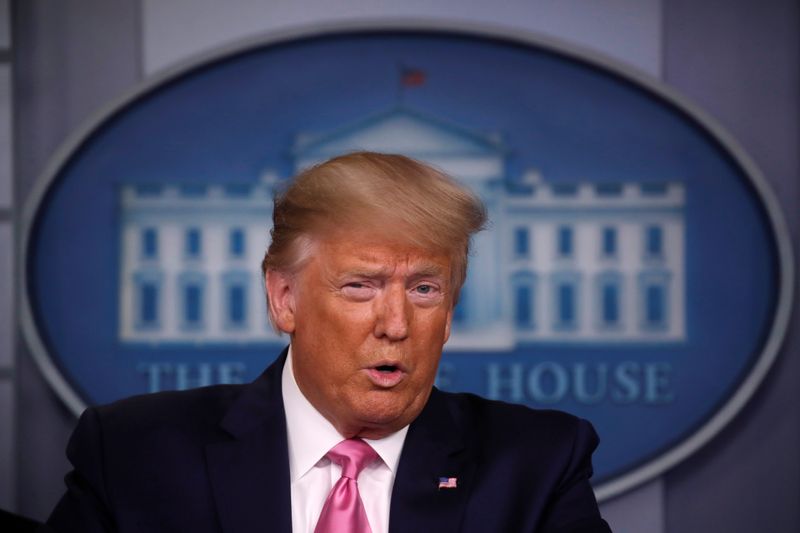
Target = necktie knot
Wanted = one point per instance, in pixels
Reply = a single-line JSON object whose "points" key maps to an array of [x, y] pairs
{"points": [[343, 511], [352, 455]]}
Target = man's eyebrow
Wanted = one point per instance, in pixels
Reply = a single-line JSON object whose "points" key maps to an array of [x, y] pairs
{"points": [[428, 270], [365, 271]]}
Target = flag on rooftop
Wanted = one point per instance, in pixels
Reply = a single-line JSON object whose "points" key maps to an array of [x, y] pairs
{"points": [[412, 77]]}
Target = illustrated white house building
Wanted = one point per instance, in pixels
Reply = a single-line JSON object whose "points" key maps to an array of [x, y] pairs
{"points": [[189, 265], [563, 262]]}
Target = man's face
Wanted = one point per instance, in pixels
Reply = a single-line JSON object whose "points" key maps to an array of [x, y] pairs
{"points": [[368, 320]]}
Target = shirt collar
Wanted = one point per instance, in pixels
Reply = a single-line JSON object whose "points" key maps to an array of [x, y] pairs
{"points": [[310, 435]]}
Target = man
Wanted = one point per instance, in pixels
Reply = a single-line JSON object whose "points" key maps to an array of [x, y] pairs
{"points": [[345, 431]]}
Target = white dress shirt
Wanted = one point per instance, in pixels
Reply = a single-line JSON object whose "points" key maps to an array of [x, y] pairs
{"points": [[313, 475]]}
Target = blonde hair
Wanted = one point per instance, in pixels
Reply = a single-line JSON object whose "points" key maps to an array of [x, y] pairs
{"points": [[428, 208]]}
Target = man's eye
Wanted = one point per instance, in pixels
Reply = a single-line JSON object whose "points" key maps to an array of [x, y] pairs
{"points": [[425, 289], [357, 286], [358, 291]]}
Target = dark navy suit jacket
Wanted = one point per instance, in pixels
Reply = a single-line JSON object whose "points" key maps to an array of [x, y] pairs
{"points": [[216, 460]]}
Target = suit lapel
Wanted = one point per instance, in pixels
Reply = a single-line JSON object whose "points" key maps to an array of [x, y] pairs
{"points": [[250, 471], [434, 448]]}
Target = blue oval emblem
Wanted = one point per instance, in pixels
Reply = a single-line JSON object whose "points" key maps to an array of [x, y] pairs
{"points": [[637, 271]]}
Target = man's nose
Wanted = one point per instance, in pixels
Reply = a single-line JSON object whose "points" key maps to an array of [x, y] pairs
{"points": [[393, 314]]}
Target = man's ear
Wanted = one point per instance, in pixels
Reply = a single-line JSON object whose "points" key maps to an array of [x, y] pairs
{"points": [[281, 300], [449, 322]]}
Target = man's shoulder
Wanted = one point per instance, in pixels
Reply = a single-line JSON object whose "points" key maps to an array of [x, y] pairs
{"points": [[531, 466], [200, 410], [497, 412], [517, 424], [194, 410]]}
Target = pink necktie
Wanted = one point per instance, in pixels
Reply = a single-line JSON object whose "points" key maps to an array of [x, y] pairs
{"points": [[343, 511]]}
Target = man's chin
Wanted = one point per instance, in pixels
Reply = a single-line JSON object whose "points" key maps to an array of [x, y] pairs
{"points": [[384, 419], [378, 431]]}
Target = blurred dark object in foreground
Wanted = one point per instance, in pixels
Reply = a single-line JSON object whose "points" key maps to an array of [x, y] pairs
{"points": [[13, 523]]}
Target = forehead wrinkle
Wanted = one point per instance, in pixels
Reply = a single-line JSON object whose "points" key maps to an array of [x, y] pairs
{"points": [[380, 270], [379, 265], [428, 269], [376, 271], [377, 258]]}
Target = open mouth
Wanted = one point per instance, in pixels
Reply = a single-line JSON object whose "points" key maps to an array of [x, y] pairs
{"points": [[386, 375]]}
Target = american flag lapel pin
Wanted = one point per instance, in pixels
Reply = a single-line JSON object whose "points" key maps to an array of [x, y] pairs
{"points": [[448, 483]]}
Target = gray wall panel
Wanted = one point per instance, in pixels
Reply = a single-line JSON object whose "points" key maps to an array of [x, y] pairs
{"points": [[5, 136], [628, 30], [6, 298], [7, 465], [739, 60], [43, 428], [638, 511], [70, 59], [5, 24]]}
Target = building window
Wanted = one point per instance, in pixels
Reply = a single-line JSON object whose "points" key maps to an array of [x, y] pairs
{"points": [[610, 304], [192, 300], [149, 303], [236, 289], [566, 303], [237, 247], [609, 189], [149, 243], [565, 244], [521, 242], [238, 190], [524, 300], [654, 241], [193, 244], [236, 305], [655, 189], [609, 242], [654, 300], [654, 306], [609, 299], [193, 304], [193, 190], [147, 298], [523, 310], [564, 189], [566, 287], [149, 190]]}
